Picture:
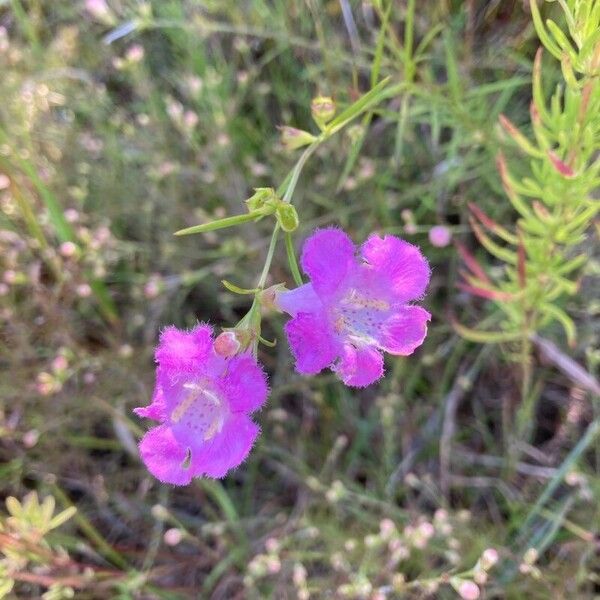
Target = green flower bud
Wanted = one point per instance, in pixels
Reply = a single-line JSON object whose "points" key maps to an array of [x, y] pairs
{"points": [[323, 110], [287, 217], [263, 198], [293, 138]]}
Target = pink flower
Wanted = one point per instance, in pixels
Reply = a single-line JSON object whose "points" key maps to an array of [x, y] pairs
{"points": [[356, 306], [202, 402]]}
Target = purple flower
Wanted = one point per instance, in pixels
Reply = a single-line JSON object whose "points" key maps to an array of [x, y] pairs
{"points": [[202, 402], [356, 307]]}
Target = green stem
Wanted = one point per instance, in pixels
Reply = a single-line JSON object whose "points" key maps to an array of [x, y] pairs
{"points": [[291, 254], [289, 192], [269, 259]]}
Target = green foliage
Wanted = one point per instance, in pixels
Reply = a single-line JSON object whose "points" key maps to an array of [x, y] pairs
{"points": [[148, 117], [23, 535], [554, 198]]}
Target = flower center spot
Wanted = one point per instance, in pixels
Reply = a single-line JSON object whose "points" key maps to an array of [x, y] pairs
{"points": [[201, 411], [359, 316]]}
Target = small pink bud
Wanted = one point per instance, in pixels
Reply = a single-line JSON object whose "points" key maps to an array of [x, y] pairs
{"points": [[68, 249], [4, 182], [71, 215], [172, 536], [30, 438], [135, 53], [489, 558], [10, 276], [83, 290], [60, 363], [440, 236], [386, 528], [227, 344], [89, 378], [153, 287], [273, 565], [299, 576], [99, 10], [468, 590], [190, 119], [426, 529]]}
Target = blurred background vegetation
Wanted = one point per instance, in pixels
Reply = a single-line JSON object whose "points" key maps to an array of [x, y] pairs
{"points": [[122, 122]]}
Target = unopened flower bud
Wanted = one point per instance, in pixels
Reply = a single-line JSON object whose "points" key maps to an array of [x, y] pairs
{"points": [[159, 512], [261, 198], [30, 438], [68, 249], [60, 364], [173, 536], [299, 576], [135, 53], [323, 109], [99, 10], [489, 558], [83, 290], [287, 217], [467, 590], [227, 344], [293, 138]]}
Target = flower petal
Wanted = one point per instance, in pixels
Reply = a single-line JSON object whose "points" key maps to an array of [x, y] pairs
{"points": [[327, 258], [404, 331], [402, 268], [300, 299], [360, 367], [164, 457], [312, 342], [228, 449], [156, 410], [183, 351], [245, 384]]}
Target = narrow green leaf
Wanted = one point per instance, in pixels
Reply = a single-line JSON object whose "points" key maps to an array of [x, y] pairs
{"points": [[238, 290], [561, 39], [486, 337], [561, 316], [572, 264], [220, 223], [62, 517], [541, 30], [503, 254], [369, 99]]}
